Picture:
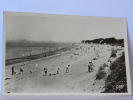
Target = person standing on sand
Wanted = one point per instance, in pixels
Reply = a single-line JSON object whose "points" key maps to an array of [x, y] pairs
{"points": [[36, 64], [58, 71], [67, 69], [91, 64], [90, 67], [80, 48], [13, 72], [21, 71], [45, 71], [97, 55], [88, 49], [23, 55]]}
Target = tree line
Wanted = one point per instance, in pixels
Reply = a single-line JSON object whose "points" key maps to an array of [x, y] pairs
{"points": [[112, 41]]}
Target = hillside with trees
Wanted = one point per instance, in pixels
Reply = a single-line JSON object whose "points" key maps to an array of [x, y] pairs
{"points": [[112, 41]]}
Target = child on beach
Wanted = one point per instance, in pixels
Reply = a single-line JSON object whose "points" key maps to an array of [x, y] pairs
{"points": [[45, 71], [21, 71], [67, 69], [90, 67]]}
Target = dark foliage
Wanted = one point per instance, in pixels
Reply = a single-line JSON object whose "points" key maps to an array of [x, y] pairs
{"points": [[113, 53], [101, 73], [116, 82], [111, 41]]}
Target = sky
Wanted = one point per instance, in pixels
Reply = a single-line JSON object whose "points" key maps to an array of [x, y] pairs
{"points": [[63, 28]]}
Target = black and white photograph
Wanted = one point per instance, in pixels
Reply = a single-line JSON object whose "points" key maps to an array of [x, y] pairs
{"points": [[51, 54]]}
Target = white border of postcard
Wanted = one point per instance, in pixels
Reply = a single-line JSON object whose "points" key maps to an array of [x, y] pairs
{"points": [[70, 16]]}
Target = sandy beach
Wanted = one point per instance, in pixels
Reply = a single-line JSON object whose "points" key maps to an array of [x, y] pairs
{"points": [[77, 80]]}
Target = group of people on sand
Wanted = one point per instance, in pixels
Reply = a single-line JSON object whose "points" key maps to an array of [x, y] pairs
{"points": [[45, 70], [83, 47], [58, 69], [13, 70]]}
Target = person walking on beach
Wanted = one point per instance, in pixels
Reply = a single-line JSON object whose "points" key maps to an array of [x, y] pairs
{"points": [[45, 71], [13, 72], [58, 71]]}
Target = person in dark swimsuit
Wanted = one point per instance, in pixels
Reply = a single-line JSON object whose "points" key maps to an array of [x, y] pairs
{"points": [[45, 71], [13, 72], [21, 71], [58, 71]]}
